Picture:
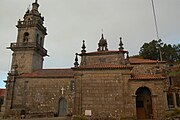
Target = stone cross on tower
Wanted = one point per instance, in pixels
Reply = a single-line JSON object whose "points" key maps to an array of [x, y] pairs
{"points": [[62, 89]]}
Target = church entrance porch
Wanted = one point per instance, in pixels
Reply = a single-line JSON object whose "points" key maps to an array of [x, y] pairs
{"points": [[62, 107], [143, 103]]}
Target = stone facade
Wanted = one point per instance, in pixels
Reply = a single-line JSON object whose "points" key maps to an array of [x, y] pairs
{"points": [[105, 83]]}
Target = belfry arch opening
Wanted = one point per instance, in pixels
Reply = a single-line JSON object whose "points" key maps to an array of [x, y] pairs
{"points": [[26, 37], [143, 103]]}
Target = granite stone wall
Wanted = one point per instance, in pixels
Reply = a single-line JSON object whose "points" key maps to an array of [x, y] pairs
{"points": [[40, 96]]}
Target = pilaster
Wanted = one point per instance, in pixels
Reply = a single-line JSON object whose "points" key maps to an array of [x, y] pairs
{"points": [[174, 100]]}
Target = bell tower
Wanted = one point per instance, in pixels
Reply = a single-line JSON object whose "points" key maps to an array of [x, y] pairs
{"points": [[28, 51]]}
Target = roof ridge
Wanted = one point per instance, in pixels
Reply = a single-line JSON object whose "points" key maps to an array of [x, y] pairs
{"points": [[55, 69]]}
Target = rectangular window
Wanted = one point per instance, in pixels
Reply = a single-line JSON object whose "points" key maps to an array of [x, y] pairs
{"points": [[72, 85], [170, 81], [178, 99], [170, 100]]}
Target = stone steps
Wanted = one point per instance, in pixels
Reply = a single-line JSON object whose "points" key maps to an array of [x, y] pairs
{"points": [[145, 119]]}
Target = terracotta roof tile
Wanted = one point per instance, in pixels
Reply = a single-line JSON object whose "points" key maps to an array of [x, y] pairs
{"points": [[147, 77], [50, 73], [104, 66], [143, 61]]}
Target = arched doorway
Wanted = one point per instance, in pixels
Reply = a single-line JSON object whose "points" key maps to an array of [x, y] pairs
{"points": [[143, 103], [62, 107]]}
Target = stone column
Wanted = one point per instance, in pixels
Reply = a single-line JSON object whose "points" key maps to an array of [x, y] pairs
{"points": [[155, 111], [134, 103], [174, 100]]}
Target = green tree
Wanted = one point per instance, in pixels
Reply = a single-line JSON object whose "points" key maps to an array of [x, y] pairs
{"points": [[169, 53], [151, 50], [177, 47], [157, 50]]}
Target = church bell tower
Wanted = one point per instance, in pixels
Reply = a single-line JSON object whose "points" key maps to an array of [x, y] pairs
{"points": [[28, 51]]}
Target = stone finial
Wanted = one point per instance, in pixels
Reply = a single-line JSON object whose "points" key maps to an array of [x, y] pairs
{"points": [[121, 44], [76, 60], [83, 47], [35, 5], [102, 45]]}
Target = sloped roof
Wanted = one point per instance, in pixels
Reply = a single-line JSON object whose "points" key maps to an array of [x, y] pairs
{"points": [[143, 61], [104, 66], [50, 73]]}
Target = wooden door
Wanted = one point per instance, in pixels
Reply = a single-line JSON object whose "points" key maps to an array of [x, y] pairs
{"points": [[62, 107], [143, 103]]}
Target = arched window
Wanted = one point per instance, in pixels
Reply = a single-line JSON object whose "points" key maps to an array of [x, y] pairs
{"points": [[37, 39], [26, 37], [41, 41]]}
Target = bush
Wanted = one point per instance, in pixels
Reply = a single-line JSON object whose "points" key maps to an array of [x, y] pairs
{"points": [[79, 118], [172, 114]]}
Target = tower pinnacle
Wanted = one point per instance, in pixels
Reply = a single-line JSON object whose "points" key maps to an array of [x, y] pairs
{"points": [[121, 44], [83, 47], [34, 15], [35, 5]]}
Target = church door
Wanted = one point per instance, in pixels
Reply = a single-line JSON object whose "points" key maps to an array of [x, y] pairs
{"points": [[143, 103], [62, 107]]}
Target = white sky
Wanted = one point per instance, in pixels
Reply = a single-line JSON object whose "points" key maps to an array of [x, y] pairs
{"points": [[71, 21]]}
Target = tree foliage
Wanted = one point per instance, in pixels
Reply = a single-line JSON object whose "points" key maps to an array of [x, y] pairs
{"points": [[157, 50]]}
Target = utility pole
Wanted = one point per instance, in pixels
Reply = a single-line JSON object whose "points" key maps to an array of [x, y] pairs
{"points": [[156, 27]]}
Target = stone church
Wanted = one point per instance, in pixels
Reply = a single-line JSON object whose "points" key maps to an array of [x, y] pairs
{"points": [[101, 83]]}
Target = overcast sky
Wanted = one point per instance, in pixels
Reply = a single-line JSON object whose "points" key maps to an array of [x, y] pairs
{"points": [[70, 21]]}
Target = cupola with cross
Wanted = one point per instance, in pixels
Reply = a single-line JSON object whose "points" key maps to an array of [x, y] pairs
{"points": [[102, 45], [28, 51]]}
